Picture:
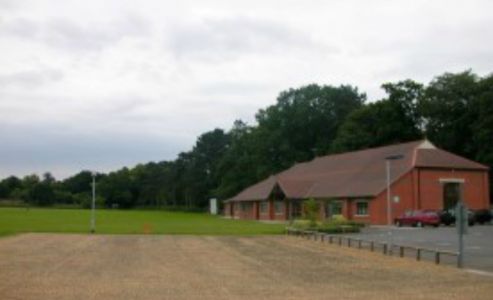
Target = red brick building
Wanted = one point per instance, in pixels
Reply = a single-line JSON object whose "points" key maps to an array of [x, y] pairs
{"points": [[354, 184]]}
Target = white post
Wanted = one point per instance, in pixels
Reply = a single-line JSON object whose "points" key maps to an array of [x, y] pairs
{"points": [[93, 205]]}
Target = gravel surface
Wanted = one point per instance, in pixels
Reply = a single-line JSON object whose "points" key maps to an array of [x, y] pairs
{"points": [[63, 266]]}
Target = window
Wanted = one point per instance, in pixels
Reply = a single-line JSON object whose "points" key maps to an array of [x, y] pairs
{"points": [[295, 209], [264, 207], [245, 206], [333, 208], [362, 208], [336, 208], [278, 206]]}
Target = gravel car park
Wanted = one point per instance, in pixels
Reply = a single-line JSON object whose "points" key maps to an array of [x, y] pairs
{"points": [[71, 266], [478, 241]]}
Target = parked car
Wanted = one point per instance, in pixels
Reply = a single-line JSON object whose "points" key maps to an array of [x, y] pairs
{"points": [[447, 217], [482, 216], [418, 218]]}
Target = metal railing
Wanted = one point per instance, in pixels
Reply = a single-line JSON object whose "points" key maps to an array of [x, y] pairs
{"points": [[373, 246]]}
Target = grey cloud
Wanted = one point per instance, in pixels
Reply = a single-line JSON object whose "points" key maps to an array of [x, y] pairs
{"points": [[235, 88], [21, 27], [30, 78], [63, 33], [7, 4], [67, 34], [219, 39], [55, 149]]}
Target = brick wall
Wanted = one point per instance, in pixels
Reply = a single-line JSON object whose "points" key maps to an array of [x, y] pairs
{"points": [[245, 210], [475, 188], [421, 189], [266, 214], [227, 209], [418, 189]]}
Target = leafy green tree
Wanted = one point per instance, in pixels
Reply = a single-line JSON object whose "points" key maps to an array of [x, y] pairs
{"points": [[119, 188], [78, 183], [42, 194], [301, 125], [8, 185], [392, 120], [311, 209], [449, 108]]}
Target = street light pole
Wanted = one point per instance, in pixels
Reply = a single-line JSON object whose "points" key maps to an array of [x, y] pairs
{"points": [[389, 207], [93, 204], [389, 201]]}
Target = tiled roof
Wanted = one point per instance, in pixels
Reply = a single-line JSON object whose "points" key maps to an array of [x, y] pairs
{"points": [[354, 174]]}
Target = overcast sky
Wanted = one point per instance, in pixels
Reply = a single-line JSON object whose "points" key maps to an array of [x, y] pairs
{"points": [[105, 84]]}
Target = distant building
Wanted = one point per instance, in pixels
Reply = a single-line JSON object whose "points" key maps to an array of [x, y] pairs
{"points": [[354, 184]]}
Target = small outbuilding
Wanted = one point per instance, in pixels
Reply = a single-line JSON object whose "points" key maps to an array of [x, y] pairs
{"points": [[354, 184]]}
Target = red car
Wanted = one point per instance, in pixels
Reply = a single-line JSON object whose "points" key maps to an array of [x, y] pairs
{"points": [[418, 218]]}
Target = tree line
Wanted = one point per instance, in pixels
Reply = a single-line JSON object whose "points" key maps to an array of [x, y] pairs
{"points": [[454, 111]]}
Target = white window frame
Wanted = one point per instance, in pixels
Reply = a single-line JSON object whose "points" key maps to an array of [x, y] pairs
{"points": [[357, 214]]}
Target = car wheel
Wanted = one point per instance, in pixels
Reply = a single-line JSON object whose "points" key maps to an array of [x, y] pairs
{"points": [[419, 224]]}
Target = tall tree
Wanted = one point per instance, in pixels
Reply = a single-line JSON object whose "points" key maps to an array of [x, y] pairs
{"points": [[392, 120], [449, 108], [301, 124]]}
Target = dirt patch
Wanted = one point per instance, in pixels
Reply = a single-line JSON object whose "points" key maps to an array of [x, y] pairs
{"points": [[50, 266]]}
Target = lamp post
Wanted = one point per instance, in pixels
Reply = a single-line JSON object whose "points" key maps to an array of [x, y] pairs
{"points": [[93, 204], [388, 160]]}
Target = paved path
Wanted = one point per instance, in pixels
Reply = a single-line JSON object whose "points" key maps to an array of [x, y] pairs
{"points": [[50, 266]]}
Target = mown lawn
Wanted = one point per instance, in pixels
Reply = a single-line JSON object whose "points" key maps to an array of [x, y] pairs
{"points": [[19, 220]]}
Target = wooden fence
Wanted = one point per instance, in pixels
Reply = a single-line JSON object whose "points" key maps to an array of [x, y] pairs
{"points": [[352, 242]]}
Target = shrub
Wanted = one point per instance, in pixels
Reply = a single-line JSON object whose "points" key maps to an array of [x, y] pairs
{"points": [[311, 211], [301, 224], [338, 228], [334, 225]]}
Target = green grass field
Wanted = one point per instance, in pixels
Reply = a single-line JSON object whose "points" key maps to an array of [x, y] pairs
{"points": [[19, 220]]}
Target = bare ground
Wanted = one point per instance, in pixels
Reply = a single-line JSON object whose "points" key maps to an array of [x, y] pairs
{"points": [[50, 266]]}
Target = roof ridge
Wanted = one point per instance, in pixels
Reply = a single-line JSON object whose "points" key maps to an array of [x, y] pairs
{"points": [[369, 149]]}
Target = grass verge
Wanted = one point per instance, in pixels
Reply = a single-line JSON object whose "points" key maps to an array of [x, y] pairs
{"points": [[20, 220]]}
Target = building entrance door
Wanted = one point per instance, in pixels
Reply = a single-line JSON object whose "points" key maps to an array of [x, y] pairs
{"points": [[451, 195]]}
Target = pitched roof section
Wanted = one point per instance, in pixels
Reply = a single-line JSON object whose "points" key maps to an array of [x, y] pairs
{"points": [[354, 174], [258, 191], [439, 158]]}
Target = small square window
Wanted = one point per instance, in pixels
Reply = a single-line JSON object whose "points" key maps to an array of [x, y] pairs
{"points": [[362, 208]]}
